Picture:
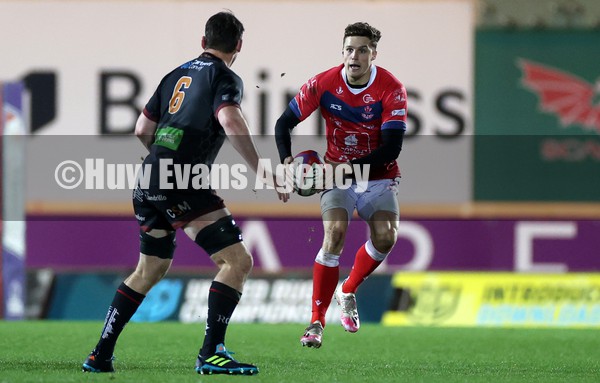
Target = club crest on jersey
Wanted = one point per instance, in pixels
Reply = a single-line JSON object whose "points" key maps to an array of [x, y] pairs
{"points": [[339, 90], [367, 115], [368, 99]]}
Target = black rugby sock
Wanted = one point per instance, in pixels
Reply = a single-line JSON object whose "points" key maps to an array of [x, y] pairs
{"points": [[222, 301], [122, 308]]}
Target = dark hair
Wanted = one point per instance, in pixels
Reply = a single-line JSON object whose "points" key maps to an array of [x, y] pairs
{"points": [[223, 31], [364, 30]]}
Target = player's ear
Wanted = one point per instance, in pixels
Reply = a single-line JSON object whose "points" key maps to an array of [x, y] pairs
{"points": [[374, 56], [239, 45], [203, 43]]}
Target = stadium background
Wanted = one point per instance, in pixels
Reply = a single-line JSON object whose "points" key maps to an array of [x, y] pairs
{"points": [[500, 198]]}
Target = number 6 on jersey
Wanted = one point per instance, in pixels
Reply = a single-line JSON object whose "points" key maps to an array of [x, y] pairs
{"points": [[178, 94]]}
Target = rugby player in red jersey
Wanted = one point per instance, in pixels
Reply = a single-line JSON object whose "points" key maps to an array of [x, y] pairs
{"points": [[365, 110]]}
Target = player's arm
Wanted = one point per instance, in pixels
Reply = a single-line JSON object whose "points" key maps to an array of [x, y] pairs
{"points": [[145, 129], [230, 87], [236, 127], [238, 132], [392, 129], [283, 133], [298, 109], [147, 122], [388, 151]]}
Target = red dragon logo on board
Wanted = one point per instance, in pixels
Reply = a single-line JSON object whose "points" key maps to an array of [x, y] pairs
{"points": [[566, 95]]}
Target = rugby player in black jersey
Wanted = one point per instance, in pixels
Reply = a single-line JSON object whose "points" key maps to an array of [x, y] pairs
{"points": [[195, 107]]}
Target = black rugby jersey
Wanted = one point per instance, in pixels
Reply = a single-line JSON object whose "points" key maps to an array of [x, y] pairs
{"points": [[185, 106]]}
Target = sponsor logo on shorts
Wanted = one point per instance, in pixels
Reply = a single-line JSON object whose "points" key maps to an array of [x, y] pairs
{"points": [[138, 194], [156, 197], [179, 209]]}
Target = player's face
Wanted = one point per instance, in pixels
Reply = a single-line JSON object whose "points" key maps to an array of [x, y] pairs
{"points": [[358, 55]]}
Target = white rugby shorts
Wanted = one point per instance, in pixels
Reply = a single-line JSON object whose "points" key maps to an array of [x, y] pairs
{"points": [[378, 195]]}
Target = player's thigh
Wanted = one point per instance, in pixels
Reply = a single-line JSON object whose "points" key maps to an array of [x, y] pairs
{"points": [[337, 198], [172, 209], [149, 216], [157, 237], [219, 235], [335, 222], [158, 243], [381, 195], [198, 207], [193, 227]]}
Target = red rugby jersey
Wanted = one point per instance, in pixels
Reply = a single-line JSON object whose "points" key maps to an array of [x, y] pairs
{"points": [[354, 118]]}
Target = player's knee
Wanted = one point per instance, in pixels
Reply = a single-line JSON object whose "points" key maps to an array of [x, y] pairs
{"points": [[151, 276], [159, 271], [244, 263], [384, 240], [219, 235], [235, 260], [162, 247], [149, 271]]}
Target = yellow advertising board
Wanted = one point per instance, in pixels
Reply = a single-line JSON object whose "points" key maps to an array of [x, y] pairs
{"points": [[495, 299]]}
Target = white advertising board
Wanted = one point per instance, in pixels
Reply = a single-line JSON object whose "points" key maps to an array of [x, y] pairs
{"points": [[106, 59]]}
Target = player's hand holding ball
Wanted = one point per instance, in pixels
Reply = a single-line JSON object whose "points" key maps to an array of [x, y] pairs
{"points": [[307, 173]]}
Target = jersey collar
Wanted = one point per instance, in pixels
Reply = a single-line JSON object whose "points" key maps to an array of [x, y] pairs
{"points": [[358, 90], [209, 56]]}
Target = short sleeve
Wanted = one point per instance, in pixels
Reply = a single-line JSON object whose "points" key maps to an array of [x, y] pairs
{"points": [[152, 108], [307, 100], [229, 91], [394, 108]]}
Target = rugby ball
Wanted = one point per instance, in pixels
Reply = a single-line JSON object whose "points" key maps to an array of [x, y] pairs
{"points": [[308, 169]]}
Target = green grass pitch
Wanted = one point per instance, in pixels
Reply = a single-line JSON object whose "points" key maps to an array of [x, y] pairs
{"points": [[45, 351]]}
